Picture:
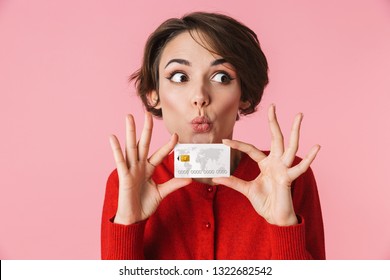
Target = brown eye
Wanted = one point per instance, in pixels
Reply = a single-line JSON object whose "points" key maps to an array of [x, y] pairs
{"points": [[178, 77], [222, 78]]}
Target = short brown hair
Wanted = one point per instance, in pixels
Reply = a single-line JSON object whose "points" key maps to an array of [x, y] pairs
{"points": [[232, 40]]}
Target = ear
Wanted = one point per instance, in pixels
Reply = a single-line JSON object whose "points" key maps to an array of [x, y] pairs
{"points": [[244, 105], [153, 99]]}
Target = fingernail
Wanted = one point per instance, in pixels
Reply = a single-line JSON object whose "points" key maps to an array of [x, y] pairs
{"points": [[128, 117]]}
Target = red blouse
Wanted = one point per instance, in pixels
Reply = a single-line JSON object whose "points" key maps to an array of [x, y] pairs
{"points": [[201, 221]]}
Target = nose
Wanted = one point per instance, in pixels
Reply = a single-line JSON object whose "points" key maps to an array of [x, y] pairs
{"points": [[201, 97]]}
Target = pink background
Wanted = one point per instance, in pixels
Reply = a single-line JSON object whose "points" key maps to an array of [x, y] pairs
{"points": [[63, 90]]}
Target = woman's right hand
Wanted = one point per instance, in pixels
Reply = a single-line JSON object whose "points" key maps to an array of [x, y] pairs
{"points": [[139, 195]]}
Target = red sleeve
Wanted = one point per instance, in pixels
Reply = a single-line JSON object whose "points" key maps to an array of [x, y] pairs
{"points": [[119, 241], [306, 239]]}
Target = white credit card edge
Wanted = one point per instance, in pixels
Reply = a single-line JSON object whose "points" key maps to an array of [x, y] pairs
{"points": [[224, 164]]}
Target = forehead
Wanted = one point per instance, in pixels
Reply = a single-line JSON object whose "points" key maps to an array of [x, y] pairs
{"points": [[188, 46]]}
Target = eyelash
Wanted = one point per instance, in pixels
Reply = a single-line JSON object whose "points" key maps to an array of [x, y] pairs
{"points": [[171, 75], [226, 74]]}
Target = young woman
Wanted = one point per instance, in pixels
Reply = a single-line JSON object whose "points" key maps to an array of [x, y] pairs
{"points": [[199, 73]]}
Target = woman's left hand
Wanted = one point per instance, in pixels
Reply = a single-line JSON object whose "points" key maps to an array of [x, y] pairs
{"points": [[270, 192]]}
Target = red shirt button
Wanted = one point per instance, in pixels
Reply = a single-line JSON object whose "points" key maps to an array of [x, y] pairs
{"points": [[207, 225], [210, 188]]}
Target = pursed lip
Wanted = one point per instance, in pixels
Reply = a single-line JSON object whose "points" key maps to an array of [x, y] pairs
{"points": [[201, 124]]}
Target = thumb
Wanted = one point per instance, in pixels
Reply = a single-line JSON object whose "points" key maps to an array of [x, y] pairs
{"points": [[233, 183], [172, 185]]}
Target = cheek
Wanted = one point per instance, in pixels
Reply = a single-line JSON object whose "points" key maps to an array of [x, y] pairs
{"points": [[172, 105], [230, 102]]}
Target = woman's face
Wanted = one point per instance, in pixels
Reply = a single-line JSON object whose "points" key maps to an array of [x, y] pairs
{"points": [[199, 92]]}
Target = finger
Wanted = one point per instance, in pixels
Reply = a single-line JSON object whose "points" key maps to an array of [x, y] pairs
{"points": [[234, 183], [161, 153], [144, 142], [277, 141], [299, 169], [293, 145], [249, 149], [118, 155], [131, 143], [172, 185]]}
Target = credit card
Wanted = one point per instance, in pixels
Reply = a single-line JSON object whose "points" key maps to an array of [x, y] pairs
{"points": [[201, 160]]}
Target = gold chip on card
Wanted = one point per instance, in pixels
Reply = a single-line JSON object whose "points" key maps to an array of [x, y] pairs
{"points": [[184, 158]]}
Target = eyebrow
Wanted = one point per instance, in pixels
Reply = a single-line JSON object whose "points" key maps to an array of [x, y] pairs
{"points": [[187, 63], [218, 62], [180, 61]]}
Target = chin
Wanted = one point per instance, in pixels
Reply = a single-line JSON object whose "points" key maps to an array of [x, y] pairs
{"points": [[205, 138]]}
